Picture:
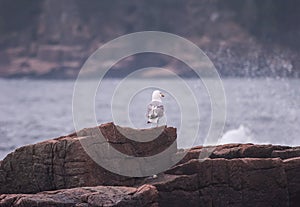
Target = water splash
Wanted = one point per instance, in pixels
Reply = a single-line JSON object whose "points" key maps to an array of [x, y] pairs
{"points": [[241, 135]]}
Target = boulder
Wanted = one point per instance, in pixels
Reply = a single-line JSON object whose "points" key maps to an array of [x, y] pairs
{"points": [[63, 163]]}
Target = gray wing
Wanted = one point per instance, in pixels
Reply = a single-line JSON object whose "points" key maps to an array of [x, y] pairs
{"points": [[155, 109]]}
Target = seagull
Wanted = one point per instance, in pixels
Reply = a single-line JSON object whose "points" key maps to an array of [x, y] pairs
{"points": [[155, 108]]}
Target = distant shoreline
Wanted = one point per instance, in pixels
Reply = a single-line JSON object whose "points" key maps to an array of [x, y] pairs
{"points": [[19, 77]]}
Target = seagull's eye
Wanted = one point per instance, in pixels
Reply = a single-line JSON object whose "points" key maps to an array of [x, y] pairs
{"points": [[162, 95]]}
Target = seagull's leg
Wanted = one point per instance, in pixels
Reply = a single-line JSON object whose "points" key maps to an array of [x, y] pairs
{"points": [[157, 122]]}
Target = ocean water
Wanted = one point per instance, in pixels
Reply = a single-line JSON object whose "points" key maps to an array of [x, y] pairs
{"points": [[268, 110]]}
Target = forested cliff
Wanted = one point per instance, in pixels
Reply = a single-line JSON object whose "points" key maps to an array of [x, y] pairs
{"points": [[52, 38]]}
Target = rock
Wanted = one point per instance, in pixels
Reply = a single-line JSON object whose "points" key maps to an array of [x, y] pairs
{"points": [[287, 153], [225, 175], [292, 169], [222, 182], [231, 151], [139, 143], [63, 163], [146, 195], [177, 190]]}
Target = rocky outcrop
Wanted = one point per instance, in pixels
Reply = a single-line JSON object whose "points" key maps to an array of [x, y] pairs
{"points": [[226, 175], [145, 195], [63, 163]]}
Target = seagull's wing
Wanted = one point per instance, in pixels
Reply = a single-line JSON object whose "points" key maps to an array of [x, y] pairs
{"points": [[155, 110]]}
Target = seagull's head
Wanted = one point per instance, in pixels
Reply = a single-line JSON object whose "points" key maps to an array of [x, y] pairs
{"points": [[157, 95]]}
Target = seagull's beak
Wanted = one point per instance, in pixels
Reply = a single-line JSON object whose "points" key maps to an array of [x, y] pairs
{"points": [[162, 95]]}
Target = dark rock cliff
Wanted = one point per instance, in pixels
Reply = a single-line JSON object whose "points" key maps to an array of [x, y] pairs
{"points": [[231, 175], [52, 38]]}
